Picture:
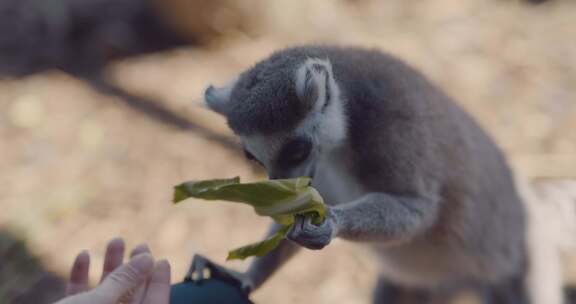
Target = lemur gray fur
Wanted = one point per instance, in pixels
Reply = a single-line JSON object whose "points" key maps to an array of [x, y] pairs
{"points": [[403, 169]]}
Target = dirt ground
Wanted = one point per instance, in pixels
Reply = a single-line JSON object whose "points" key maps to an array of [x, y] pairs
{"points": [[78, 166]]}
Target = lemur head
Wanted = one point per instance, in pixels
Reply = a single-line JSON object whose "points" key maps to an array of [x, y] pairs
{"points": [[288, 112]]}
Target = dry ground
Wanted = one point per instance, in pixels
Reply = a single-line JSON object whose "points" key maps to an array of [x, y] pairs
{"points": [[78, 167]]}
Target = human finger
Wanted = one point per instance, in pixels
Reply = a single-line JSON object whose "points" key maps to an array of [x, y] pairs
{"points": [[158, 291], [79, 274], [140, 291], [113, 257]]}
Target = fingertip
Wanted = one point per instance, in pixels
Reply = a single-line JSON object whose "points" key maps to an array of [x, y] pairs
{"points": [[115, 252], [164, 263], [115, 244], [83, 256], [163, 269], [139, 249], [143, 263], [161, 272], [80, 267]]}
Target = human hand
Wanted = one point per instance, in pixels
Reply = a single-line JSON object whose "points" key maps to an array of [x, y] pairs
{"points": [[140, 281]]}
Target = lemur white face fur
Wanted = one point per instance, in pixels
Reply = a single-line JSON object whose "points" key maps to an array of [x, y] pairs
{"points": [[295, 152]]}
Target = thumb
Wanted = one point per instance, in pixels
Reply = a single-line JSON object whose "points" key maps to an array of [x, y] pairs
{"points": [[124, 279]]}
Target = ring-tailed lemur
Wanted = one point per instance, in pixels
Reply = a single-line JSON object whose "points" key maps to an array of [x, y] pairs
{"points": [[403, 169]]}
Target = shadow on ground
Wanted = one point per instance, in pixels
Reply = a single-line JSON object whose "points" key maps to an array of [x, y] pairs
{"points": [[23, 278]]}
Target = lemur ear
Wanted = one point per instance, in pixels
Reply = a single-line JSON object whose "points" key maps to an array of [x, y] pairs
{"points": [[313, 83], [217, 99]]}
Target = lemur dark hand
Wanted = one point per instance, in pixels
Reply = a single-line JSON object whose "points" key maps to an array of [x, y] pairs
{"points": [[305, 233]]}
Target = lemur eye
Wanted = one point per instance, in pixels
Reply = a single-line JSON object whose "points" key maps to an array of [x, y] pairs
{"points": [[248, 155], [295, 152]]}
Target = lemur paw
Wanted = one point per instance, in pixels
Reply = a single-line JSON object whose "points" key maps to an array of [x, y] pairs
{"points": [[312, 236]]}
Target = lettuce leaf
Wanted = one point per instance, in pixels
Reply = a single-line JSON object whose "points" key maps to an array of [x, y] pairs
{"points": [[280, 199], [261, 248]]}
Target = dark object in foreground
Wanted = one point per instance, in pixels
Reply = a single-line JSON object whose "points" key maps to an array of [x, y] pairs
{"points": [[219, 288], [211, 290]]}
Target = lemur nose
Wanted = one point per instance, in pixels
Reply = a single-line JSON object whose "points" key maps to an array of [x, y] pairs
{"points": [[210, 96], [209, 90]]}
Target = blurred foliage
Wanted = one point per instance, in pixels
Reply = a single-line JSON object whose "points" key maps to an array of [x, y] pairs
{"points": [[77, 35]]}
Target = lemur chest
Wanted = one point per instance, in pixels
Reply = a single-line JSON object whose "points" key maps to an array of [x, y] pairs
{"points": [[335, 183]]}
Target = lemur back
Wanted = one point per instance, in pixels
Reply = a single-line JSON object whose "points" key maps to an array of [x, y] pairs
{"points": [[408, 138]]}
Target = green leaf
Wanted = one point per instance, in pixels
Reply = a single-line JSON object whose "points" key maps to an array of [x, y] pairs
{"points": [[197, 189], [261, 248], [280, 199]]}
